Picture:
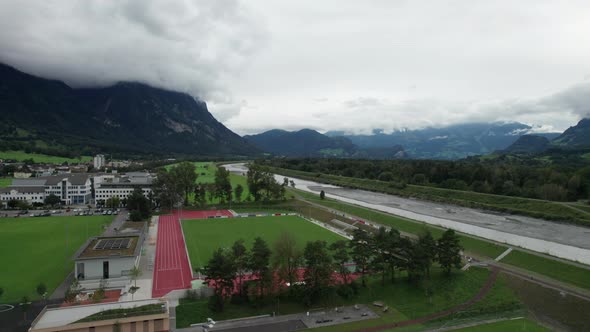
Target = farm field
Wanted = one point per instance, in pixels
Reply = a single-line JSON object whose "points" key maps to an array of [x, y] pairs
{"points": [[41, 158], [5, 182], [35, 250], [204, 236], [557, 270]]}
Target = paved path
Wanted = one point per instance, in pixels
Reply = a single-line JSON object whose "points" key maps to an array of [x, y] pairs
{"points": [[172, 269]]}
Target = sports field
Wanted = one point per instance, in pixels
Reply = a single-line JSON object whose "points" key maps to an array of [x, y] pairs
{"points": [[34, 250], [204, 236]]}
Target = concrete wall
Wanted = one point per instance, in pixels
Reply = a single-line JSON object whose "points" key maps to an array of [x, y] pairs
{"points": [[93, 268]]}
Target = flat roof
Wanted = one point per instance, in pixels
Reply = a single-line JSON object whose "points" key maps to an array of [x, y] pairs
{"points": [[90, 251], [56, 317]]}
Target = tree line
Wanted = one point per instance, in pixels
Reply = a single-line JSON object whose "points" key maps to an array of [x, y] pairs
{"points": [[178, 186], [561, 182], [319, 270]]}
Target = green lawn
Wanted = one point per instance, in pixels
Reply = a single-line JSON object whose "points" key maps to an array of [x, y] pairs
{"points": [[5, 182], [406, 301], [206, 235], [514, 325], [554, 269], [557, 270], [35, 250], [41, 158]]}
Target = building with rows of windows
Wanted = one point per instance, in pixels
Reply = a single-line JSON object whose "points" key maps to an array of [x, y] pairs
{"points": [[70, 188], [121, 185], [77, 188]]}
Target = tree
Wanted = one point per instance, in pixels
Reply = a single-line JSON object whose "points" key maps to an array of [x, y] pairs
{"points": [[167, 192], [381, 255], [262, 184], [73, 291], [259, 263], [184, 176], [341, 258], [134, 273], [1, 292], [292, 183], [240, 258], [286, 258], [429, 249], [137, 202], [238, 192], [361, 252], [322, 194], [42, 290], [318, 269], [201, 194], [52, 200], [113, 202], [220, 274], [449, 251], [13, 203], [223, 189]]}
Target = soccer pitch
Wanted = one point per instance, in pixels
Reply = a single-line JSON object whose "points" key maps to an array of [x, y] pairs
{"points": [[204, 236], [34, 250]]}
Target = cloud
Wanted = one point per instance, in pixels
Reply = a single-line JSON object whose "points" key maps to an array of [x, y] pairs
{"points": [[363, 115], [188, 46]]}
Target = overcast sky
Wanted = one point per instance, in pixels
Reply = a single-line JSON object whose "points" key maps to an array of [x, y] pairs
{"points": [[328, 65]]}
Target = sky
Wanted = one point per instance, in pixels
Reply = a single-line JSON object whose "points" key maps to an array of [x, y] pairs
{"points": [[351, 66]]}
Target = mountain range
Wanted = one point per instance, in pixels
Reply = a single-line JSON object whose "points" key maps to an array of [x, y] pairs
{"points": [[48, 116], [310, 143]]}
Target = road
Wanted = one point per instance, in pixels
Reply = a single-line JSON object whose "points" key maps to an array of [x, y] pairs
{"points": [[557, 239]]}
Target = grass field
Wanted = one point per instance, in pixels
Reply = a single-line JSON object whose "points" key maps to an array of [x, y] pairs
{"points": [[557, 270], [514, 325], [5, 182], [34, 250], [41, 158], [206, 235], [406, 301], [554, 269]]}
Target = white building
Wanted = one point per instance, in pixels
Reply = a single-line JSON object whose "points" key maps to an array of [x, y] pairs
{"points": [[121, 185], [99, 161], [70, 188], [108, 258]]}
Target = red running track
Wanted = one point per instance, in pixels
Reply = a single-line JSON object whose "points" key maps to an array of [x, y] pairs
{"points": [[188, 214], [171, 270]]}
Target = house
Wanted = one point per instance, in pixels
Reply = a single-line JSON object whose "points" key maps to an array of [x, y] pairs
{"points": [[110, 258], [137, 316]]}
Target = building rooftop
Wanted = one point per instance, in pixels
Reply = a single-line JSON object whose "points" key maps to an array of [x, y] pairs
{"points": [[56, 317], [25, 189], [110, 246]]}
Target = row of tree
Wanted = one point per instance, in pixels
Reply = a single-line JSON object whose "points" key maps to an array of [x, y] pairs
{"points": [[174, 186], [551, 182], [325, 267]]}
